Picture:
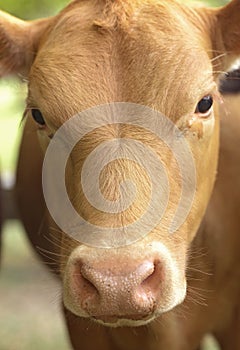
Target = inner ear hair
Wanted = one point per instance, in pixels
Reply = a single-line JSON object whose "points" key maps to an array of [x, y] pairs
{"points": [[228, 21], [19, 42]]}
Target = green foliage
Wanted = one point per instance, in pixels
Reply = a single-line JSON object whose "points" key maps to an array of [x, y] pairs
{"points": [[216, 2], [29, 9]]}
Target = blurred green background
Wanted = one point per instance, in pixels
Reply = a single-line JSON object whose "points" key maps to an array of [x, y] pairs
{"points": [[30, 317], [31, 9]]}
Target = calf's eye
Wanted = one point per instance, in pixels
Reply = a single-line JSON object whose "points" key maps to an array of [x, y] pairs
{"points": [[204, 106], [38, 117]]}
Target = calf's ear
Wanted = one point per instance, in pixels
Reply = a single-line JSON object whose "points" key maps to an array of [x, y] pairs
{"points": [[19, 42], [227, 31]]}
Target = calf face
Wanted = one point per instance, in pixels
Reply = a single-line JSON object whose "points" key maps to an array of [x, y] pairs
{"points": [[159, 54]]}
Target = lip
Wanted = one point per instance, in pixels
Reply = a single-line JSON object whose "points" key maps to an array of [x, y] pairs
{"points": [[121, 321]]}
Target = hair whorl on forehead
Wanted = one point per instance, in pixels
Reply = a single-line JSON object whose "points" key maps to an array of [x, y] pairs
{"points": [[114, 13]]}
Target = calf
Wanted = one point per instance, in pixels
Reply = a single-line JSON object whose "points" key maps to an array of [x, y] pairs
{"points": [[122, 122]]}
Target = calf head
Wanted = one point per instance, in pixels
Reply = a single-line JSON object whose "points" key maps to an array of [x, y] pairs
{"points": [[165, 56]]}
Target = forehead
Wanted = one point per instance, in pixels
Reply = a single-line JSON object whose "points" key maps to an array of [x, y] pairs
{"points": [[146, 52]]}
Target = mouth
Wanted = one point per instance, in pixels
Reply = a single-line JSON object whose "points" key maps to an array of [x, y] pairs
{"points": [[123, 321]]}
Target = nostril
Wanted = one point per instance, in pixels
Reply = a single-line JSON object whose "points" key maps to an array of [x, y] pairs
{"points": [[150, 286], [154, 279], [88, 285], [84, 286]]}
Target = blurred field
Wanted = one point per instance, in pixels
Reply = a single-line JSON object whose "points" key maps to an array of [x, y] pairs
{"points": [[12, 94], [30, 299]]}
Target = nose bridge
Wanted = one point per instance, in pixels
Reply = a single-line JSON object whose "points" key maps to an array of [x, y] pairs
{"points": [[121, 184], [122, 261], [115, 261], [105, 277], [119, 187]]}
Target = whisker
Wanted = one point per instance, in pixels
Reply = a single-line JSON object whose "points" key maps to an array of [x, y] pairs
{"points": [[219, 56], [58, 244], [219, 72], [52, 253], [199, 271]]}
